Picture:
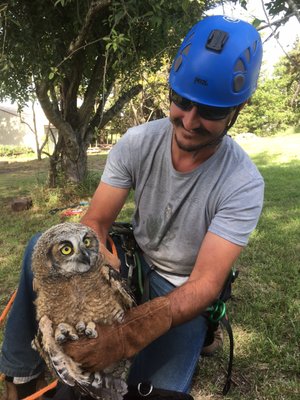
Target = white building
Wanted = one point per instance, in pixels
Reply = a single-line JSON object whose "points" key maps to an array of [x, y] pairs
{"points": [[18, 129]]}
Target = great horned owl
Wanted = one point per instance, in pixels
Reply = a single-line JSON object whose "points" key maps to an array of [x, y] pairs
{"points": [[75, 290]]}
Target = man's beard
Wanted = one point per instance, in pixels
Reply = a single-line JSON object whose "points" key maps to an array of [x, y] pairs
{"points": [[204, 133]]}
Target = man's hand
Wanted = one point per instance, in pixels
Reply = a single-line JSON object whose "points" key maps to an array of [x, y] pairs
{"points": [[142, 325]]}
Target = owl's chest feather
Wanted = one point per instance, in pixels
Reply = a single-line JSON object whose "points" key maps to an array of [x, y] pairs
{"points": [[84, 297]]}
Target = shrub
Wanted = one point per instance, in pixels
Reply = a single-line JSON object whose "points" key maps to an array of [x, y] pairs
{"points": [[10, 150]]}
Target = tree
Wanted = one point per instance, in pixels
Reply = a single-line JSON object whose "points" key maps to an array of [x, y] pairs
{"points": [[33, 127], [275, 105], [151, 103], [286, 9], [79, 49], [289, 72]]}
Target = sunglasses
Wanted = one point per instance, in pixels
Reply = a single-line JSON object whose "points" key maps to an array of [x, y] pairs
{"points": [[206, 112]]}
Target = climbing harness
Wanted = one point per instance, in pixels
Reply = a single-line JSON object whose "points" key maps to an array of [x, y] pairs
{"points": [[216, 314], [122, 235]]}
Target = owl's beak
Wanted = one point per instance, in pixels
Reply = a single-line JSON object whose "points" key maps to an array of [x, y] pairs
{"points": [[84, 257]]}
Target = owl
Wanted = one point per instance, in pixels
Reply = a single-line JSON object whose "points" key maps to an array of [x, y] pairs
{"points": [[75, 290]]}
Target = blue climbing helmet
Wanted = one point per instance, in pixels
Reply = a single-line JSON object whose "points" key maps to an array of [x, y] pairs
{"points": [[218, 62]]}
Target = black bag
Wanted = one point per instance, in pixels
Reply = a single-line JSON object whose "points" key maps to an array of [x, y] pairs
{"points": [[140, 392]]}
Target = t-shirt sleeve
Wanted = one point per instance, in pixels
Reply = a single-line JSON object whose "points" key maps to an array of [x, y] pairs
{"points": [[238, 213], [118, 168]]}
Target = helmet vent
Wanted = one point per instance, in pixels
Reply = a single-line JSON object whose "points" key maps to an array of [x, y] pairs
{"points": [[247, 54], [186, 50], [177, 63], [239, 66], [254, 45], [238, 83], [190, 37]]}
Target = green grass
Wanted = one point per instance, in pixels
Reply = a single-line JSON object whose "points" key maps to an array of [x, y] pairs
{"points": [[265, 309]]}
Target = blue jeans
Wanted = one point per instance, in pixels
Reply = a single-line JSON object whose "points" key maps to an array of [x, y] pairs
{"points": [[167, 363], [18, 358]]}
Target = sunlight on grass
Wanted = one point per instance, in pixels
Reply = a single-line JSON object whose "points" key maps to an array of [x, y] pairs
{"points": [[243, 341], [278, 149]]}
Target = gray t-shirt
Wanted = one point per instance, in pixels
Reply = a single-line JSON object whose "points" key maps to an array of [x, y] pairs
{"points": [[174, 210]]}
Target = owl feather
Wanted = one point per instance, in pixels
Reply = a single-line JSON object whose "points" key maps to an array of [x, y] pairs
{"points": [[76, 289]]}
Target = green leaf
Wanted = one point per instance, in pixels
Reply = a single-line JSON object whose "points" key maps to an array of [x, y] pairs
{"points": [[256, 22]]}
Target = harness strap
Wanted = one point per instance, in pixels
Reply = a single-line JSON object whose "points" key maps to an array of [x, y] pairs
{"points": [[225, 322], [146, 286]]}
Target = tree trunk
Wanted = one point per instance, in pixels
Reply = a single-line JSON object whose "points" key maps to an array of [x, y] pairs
{"points": [[67, 163], [74, 166], [69, 159]]}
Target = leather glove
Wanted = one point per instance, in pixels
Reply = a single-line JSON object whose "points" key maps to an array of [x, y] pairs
{"points": [[141, 325], [110, 258]]}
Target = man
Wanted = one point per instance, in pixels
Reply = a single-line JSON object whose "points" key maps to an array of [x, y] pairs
{"points": [[197, 199]]}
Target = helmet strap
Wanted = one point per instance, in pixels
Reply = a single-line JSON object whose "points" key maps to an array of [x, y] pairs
{"points": [[235, 115], [231, 123]]}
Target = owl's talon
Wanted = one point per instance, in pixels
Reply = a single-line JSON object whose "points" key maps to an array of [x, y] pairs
{"points": [[80, 327], [90, 330], [65, 332], [73, 336], [60, 339], [92, 334]]}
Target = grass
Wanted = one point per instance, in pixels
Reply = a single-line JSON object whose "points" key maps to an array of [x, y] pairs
{"points": [[265, 308]]}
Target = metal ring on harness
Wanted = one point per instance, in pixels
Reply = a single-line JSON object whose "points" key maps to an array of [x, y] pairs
{"points": [[144, 394]]}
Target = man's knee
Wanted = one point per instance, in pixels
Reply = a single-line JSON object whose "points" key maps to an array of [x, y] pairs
{"points": [[26, 266]]}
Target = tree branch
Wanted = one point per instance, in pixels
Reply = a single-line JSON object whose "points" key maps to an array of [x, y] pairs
{"points": [[273, 31], [117, 107], [70, 87], [54, 117], [277, 23], [93, 11], [99, 120], [91, 92], [54, 98], [293, 7]]}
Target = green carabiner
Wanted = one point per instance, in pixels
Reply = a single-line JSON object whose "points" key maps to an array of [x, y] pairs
{"points": [[217, 311]]}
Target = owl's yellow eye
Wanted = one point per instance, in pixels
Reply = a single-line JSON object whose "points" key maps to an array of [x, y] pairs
{"points": [[87, 242], [66, 249]]}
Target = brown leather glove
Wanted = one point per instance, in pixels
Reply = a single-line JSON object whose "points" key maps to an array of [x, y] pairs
{"points": [[110, 258], [142, 325]]}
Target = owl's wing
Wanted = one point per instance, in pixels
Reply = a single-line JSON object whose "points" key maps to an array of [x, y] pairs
{"points": [[108, 385], [118, 285]]}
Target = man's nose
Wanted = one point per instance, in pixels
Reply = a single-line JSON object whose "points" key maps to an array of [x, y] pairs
{"points": [[191, 119]]}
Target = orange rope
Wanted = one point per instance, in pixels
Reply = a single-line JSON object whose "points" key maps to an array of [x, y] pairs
{"points": [[113, 246], [40, 392], [8, 306]]}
